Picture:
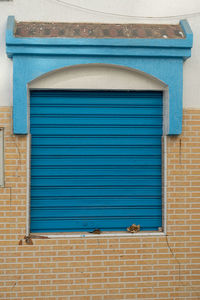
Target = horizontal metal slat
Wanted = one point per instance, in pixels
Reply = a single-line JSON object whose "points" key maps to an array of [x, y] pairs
{"points": [[141, 182], [103, 191], [106, 202], [105, 150], [77, 104], [53, 121], [104, 161], [93, 212], [97, 141], [97, 131], [37, 171], [113, 224], [94, 100], [91, 94], [109, 112]]}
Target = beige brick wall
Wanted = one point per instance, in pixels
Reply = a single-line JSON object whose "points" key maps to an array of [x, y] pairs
{"points": [[135, 267]]}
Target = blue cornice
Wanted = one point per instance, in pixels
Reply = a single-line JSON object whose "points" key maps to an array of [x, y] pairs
{"points": [[120, 47], [160, 58]]}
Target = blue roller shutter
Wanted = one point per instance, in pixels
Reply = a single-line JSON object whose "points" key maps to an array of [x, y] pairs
{"points": [[95, 160]]}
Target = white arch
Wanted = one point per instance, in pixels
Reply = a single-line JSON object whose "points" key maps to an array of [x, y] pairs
{"points": [[97, 76]]}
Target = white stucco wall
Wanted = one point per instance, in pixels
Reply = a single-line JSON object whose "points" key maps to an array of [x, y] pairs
{"points": [[142, 11]]}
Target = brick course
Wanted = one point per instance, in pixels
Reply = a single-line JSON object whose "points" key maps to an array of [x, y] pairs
{"points": [[135, 267]]}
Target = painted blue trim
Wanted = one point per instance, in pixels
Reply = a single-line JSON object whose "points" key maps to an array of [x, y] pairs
{"points": [[160, 58], [101, 51], [69, 46], [10, 28], [100, 42], [187, 30]]}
